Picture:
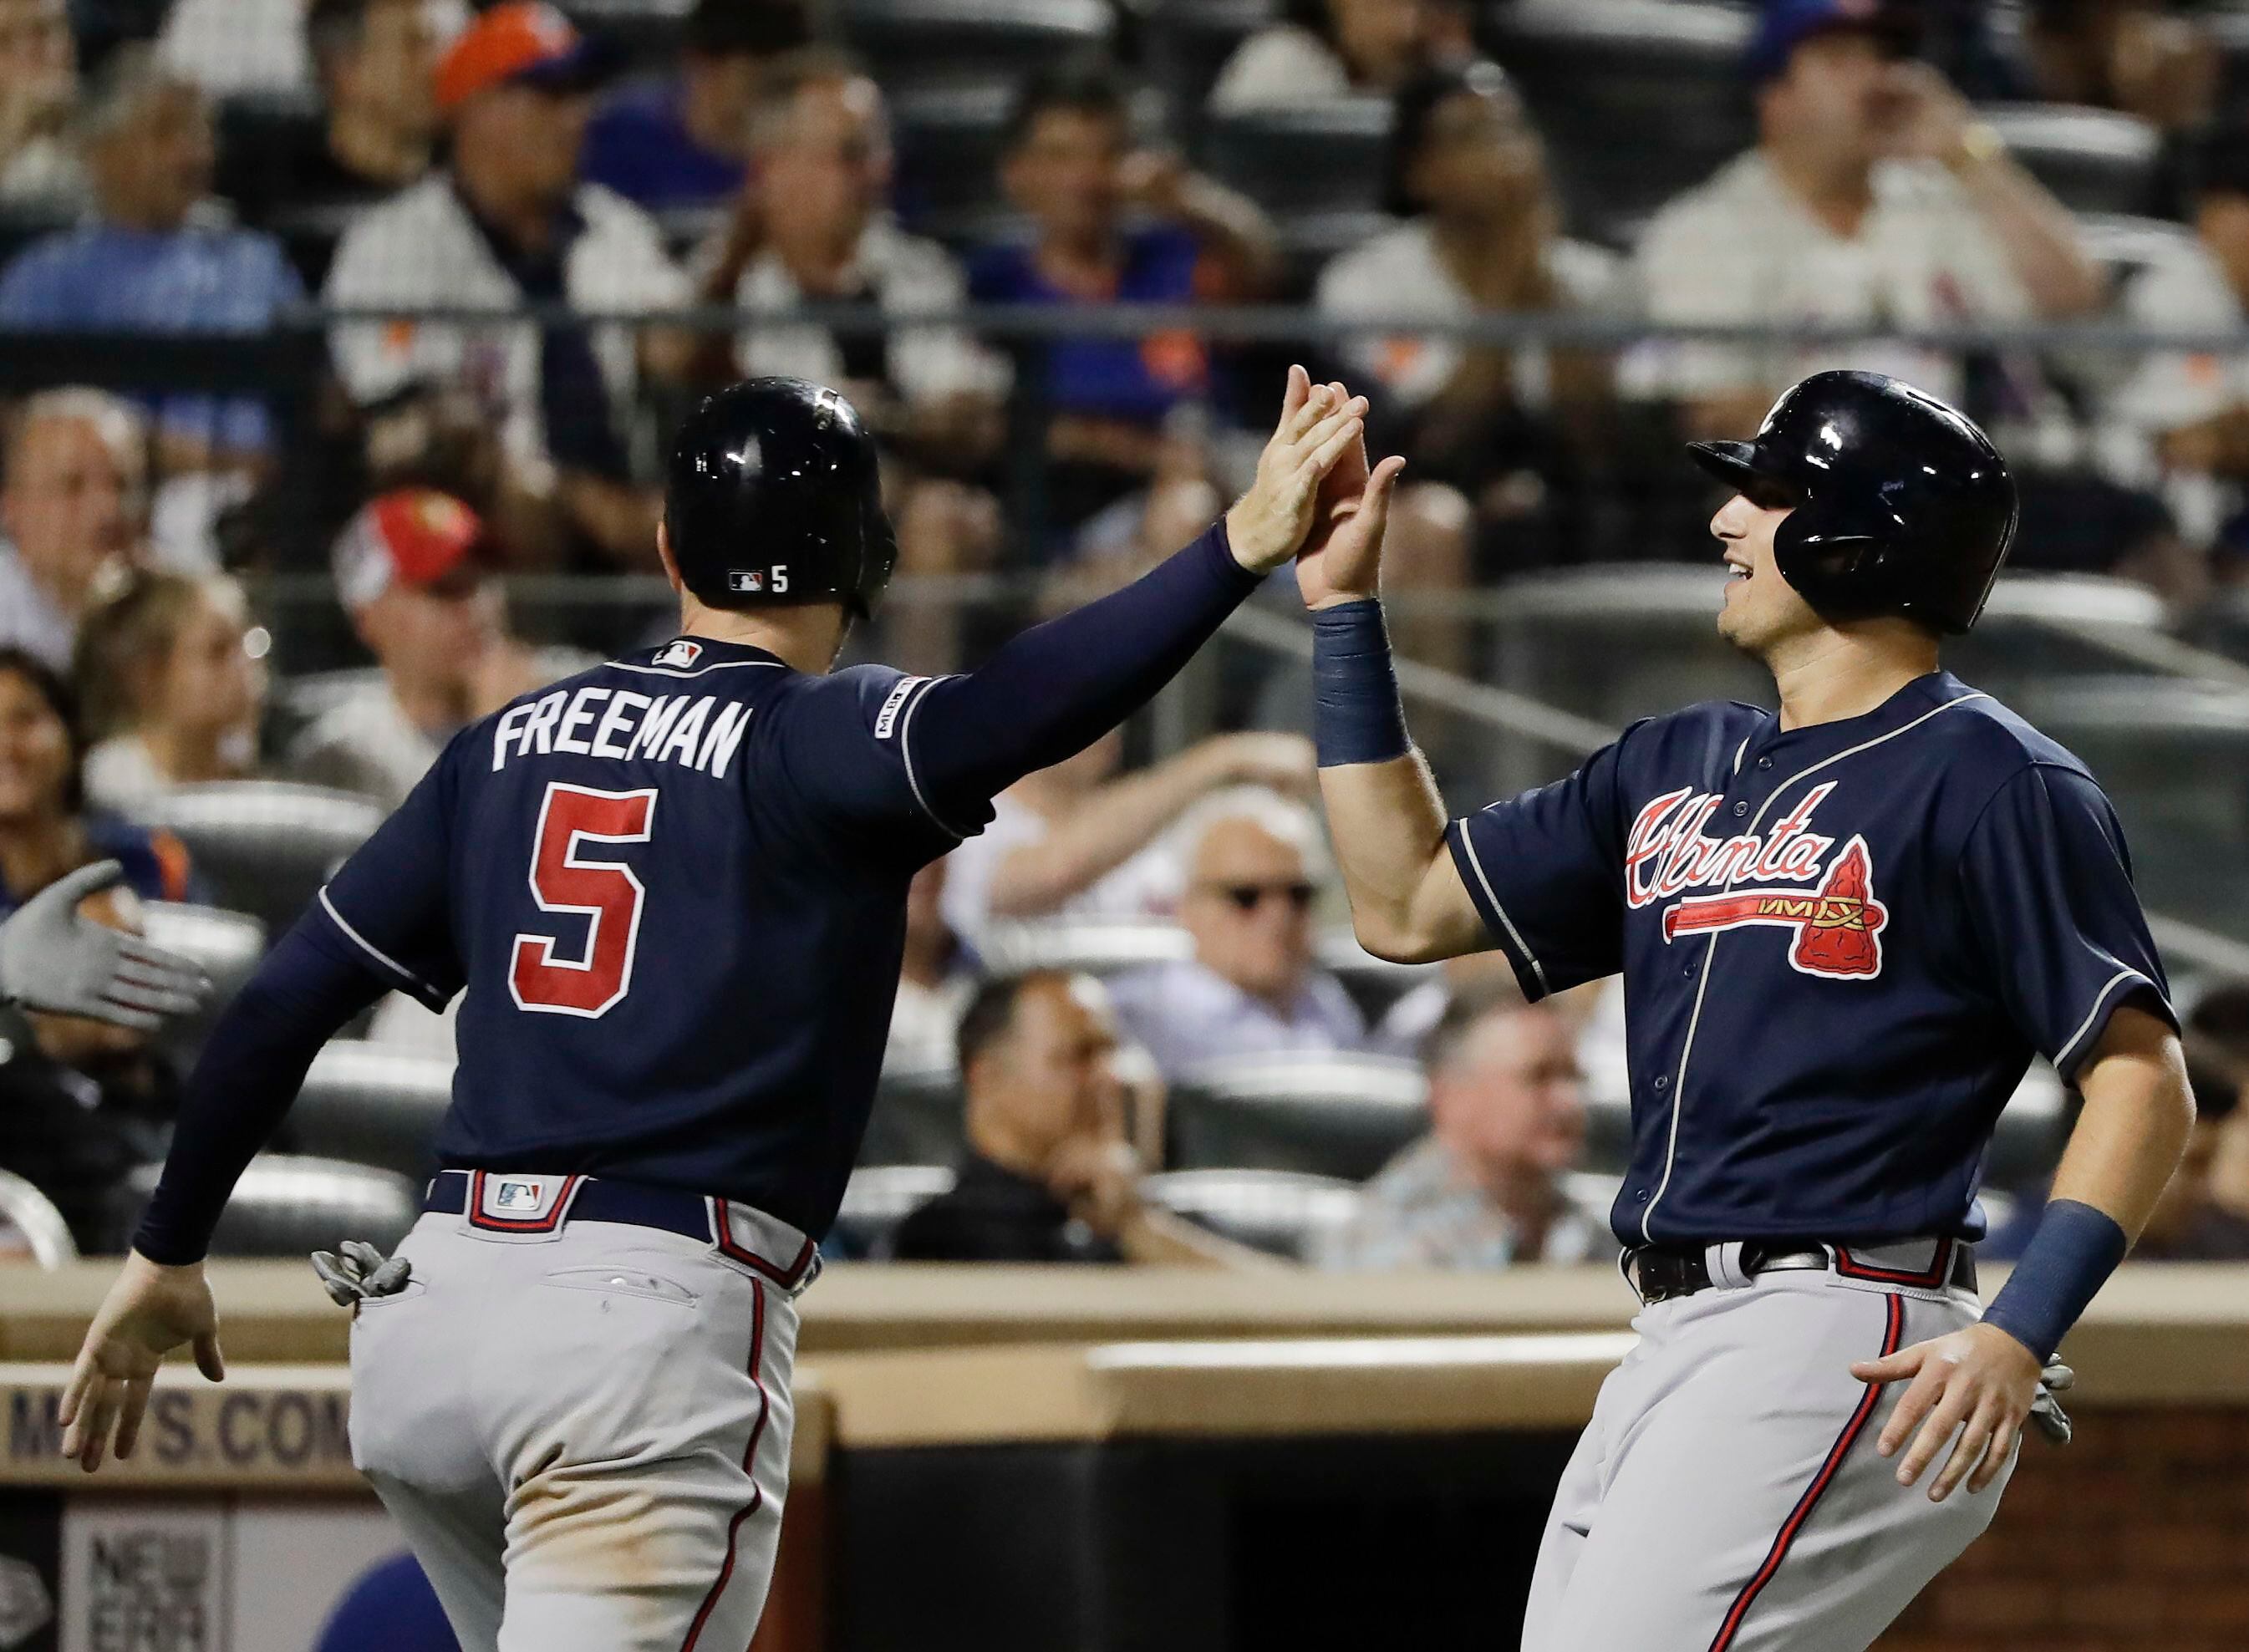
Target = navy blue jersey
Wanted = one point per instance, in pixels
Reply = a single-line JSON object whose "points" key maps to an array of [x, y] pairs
{"points": [[1841, 945], [674, 889]]}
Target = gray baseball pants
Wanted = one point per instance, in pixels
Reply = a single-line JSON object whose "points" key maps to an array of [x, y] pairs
{"points": [[1726, 1496], [584, 1433]]}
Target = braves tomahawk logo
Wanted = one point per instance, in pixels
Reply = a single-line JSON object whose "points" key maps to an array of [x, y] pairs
{"points": [[1838, 924]]}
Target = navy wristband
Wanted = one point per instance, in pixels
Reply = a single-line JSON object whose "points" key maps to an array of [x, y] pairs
{"points": [[1356, 716], [2071, 1256]]}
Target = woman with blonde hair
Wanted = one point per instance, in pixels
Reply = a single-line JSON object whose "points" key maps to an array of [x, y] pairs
{"points": [[168, 674]]}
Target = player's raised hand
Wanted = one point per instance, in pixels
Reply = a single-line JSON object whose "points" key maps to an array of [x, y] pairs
{"points": [[150, 1311], [1978, 1383], [1342, 558], [1319, 425]]}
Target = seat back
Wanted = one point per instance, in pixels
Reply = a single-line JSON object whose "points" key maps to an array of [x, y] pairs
{"points": [[917, 43], [370, 1105], [28, 1217], [264, 846], [2093, 160], [1333, 1114], [1325, 157], [1285, 1213], [916, 1119], [287, 1206], [876, 1199], [1093, 946], [225, 945]]}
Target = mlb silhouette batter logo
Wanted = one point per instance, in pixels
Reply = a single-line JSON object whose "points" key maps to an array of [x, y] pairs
{"points": [[1837, 926]]}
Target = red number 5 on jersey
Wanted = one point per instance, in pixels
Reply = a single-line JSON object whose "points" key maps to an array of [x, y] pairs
{"points": [[606, 891]]}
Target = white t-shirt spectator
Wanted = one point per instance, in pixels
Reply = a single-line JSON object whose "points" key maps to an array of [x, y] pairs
{"points": [[2184, 290], [421, 248], [1399, 273], [28, 618], [1276, 67], [902, 273], [1741, 248], [1147, 885], [1186, 1014], [365, 742]]}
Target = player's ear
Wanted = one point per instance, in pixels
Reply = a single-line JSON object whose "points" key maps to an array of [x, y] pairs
{"points": [[663, 555]]}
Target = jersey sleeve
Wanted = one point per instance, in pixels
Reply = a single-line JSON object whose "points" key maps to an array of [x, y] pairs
{"points": [[1544, 871], [391, 901], [2047, 887], [846, 742]]}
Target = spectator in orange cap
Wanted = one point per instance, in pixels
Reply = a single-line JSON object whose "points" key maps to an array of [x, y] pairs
{"points": [[411, 573], [506, 223]]}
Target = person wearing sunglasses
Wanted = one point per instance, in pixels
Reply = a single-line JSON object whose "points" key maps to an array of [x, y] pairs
{"points": [[1255, 870]]}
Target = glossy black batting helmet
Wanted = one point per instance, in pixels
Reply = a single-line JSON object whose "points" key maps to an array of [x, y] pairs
{"points": [[1902, 505], [774, 496]]}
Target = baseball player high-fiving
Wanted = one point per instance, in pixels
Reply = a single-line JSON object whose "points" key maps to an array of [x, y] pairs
{"points": [[1844, 928], [674, 890]]}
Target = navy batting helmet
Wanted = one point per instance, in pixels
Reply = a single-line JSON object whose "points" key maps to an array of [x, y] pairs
{"points": [[774, 496], [1902, 505]]}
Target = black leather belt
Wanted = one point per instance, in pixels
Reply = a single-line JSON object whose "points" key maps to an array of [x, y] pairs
{"points": [[1660, 1272]]}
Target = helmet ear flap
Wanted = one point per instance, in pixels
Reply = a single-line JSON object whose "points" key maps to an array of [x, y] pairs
{"points": [[1842, 571]]}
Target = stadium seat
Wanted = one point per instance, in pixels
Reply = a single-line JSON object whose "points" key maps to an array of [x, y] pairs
{"points": [[878, 1198], [30, 1222], [287, 1206], [264, 846], [916, 1120], [1638, 100], [1284, 1212], [226, 945], [646, 32], [260, 135], [948, 148], [1319, 158], [370, 1105], [1336, 1114], [2032, 1129], [1185, 43], [2093, 160], [1375, 984], [920, 42], [1097, 946]]}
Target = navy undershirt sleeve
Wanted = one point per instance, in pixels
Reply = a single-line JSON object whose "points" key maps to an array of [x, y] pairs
{"points": [[1058, 686], [307, 989]]}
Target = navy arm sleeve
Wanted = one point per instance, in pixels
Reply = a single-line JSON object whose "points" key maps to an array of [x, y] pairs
{"points": [[1544, 871], [872, 745], [2047, 886], [381, 922]]}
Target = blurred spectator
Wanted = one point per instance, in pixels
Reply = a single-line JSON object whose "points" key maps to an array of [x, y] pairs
{"points": [[1485, 1187], [73, 502], [410, 572], [1067, 166], [1080, 840], [503, 224], [1252, 986], [2218, 1059], [389, 1607], [168, 672], [153, 259], [1482, 234], [1328, 48], [2140, 56], [45, 830], [230, 48], [376, 61], [39, 168], [682, 140], [815, 227], [1874, 196], [935, 979], [1050, 1175]]}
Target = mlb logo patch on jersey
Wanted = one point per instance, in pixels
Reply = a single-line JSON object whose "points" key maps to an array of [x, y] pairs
{"points": [[681, 653]]}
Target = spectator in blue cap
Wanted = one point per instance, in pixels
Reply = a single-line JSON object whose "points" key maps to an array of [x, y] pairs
{"points": [[1873, 196]]}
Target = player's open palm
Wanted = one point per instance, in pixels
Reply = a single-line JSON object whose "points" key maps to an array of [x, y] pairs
{"points": [[1342, 558], [1977, 1383], [1319, 425], [150, 1311]]}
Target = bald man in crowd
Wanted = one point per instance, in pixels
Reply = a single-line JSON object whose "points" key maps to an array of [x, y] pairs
{"points": [[73, 499], [1486, 1187], [1255, 868]]}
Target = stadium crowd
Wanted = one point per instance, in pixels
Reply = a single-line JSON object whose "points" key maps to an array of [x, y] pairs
{"points": [[506, 237]]}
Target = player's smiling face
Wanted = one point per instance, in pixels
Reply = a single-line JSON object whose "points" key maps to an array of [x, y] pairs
{"points": [[1760, 608]]}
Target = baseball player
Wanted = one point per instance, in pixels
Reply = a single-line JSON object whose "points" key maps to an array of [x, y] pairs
{"points": [[673, 889], [1844, 928], [55, 961]]}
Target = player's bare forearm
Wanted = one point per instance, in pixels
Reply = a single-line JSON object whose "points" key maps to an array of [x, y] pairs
{"points": [[1407, 902], [2138, 1113]]}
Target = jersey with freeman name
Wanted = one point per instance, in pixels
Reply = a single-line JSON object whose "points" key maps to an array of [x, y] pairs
{"points": [[674, 888], [1841, 945]]}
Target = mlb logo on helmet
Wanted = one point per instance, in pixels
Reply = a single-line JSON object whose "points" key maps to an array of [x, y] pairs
{"points": [[751, 581], [681, 653]]}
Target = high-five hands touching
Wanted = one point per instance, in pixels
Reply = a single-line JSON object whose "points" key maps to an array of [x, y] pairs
{"points": [[1342, 558], [1320, 427]]}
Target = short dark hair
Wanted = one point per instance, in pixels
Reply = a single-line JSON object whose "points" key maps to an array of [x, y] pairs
{"points": [[50, 686], [746, 28], [1413, 107], [2219, 164], [991, 1014], [1087, 88], [333, 27], [1464, 1015]]}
